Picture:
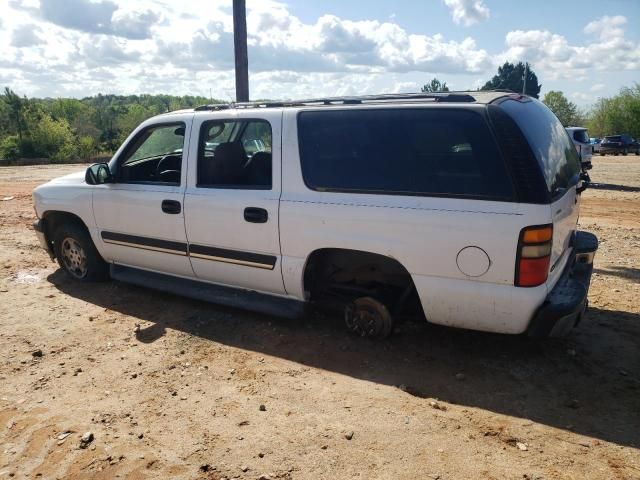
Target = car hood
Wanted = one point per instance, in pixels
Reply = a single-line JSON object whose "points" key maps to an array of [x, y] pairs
{"points": [[76, 178]]}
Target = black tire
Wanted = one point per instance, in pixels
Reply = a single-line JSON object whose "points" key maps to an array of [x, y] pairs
{"points": [[77, 255], [368, 317]]}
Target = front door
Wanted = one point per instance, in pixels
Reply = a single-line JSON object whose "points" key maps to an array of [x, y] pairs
{"points": [[231, 201], [140, 216]]}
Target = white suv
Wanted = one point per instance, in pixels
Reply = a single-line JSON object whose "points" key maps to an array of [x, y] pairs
{"points": [[460, 208], [582, 142]]}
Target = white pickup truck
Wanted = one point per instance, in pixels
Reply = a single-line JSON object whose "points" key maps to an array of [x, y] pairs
{"points": [[460, 208]]}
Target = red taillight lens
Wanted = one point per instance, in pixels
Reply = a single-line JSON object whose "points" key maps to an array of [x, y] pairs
{"points": [[533, 271], [534, 256]]}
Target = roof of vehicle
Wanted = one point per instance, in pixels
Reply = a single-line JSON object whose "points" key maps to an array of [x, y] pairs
{"points": [[477, 97], [575, 128]]}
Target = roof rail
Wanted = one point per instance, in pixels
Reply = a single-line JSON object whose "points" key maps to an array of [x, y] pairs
{"points": [[353, 100]]}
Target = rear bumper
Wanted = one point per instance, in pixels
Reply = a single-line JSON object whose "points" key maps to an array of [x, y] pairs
{"points": [[567, 301]]}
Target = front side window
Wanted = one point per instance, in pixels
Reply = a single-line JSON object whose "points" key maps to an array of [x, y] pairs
{"points": [[154, 156], [428, 151], [235, 154]]}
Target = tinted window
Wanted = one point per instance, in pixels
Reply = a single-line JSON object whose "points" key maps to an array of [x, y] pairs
{"points": [[402, 151], [581, 136], [153, 156], [235, 154], [549, 142], [614, 138]]}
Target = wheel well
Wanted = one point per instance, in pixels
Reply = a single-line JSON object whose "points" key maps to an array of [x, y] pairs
{"points": [[53, 219], [335, 276]]}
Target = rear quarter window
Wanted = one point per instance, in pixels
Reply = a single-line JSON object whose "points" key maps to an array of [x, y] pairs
{"points": [[549, 142], [429, 151]]}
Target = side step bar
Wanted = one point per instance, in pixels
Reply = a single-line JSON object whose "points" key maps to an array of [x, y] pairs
{"points": [[207, 292]]}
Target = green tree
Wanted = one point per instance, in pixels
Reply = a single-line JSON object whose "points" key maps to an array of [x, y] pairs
{"points": [[565, 110], [511, 77], [17, 107], [130, 118], [86, 148], [50, 138], [618, 114], [10, 147], [435, 86], [67, 128]]}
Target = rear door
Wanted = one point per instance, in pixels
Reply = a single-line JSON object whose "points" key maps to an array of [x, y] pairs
{"points": [[232, 199]]}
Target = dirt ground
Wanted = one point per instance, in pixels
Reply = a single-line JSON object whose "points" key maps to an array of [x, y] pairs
{"points": [[181, 398]]}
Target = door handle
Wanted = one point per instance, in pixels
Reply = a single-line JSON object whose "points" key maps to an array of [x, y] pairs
{"points": [[171, 206], [256, 215]]}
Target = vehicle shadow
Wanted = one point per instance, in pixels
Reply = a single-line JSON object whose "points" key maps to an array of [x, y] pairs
{"points": [[613, 187], [628, 273], [567, 384]]}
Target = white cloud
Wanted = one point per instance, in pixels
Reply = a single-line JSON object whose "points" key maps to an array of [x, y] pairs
{"points": [[103, 16], [27, 35], [468, 12], [597, 87], [406, 87], [607, 27], [81, 47], [553, 54]]}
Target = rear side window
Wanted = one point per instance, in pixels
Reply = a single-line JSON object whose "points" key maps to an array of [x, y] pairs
{"points": [[549, 142], [235, 154], [439, 152]]}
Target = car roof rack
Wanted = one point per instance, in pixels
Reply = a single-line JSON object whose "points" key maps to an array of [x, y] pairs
{"points": [[462, 97]]}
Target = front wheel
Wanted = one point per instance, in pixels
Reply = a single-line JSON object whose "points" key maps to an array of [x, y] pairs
{"points": [[77, 255]]}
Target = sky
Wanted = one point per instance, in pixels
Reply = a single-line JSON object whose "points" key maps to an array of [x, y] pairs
{"points": [[310, 48]]}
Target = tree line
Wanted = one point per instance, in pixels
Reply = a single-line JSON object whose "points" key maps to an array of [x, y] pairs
{"points": [[67, 129]]}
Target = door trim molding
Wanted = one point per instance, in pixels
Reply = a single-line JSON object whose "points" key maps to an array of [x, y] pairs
{"points": [[249, 259], [236, 257], [145, 243]]}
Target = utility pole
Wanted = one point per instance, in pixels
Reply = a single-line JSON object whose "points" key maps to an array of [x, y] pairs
{"points": [[524, 78], [240, 49]]}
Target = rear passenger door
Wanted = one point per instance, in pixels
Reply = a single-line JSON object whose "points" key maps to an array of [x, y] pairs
{"points": [[232, 200]]}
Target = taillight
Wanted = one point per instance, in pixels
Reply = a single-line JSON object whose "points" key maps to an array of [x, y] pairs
{"points": [[534, 255]]}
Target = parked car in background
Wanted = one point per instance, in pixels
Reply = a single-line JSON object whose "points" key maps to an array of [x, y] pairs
{"points": [[580, 138], [595, 144], [616, 144]]}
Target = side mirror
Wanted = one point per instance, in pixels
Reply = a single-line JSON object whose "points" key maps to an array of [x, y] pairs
{"points": [[97, 174]]}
